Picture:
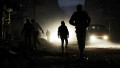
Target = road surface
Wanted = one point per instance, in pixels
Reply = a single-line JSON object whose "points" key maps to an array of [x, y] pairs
{"points": [[48, 55]]}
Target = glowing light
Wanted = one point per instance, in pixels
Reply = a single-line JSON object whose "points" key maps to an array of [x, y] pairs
{"points": [[103, 44], [53, 28], [92, 38], [54, 37], [54, 33], [105, 37]]}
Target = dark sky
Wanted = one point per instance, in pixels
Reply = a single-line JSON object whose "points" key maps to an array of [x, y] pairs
{"points": [[70, 5]]}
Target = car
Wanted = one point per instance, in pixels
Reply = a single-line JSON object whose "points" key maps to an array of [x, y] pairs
{"points": [[97, 31]]}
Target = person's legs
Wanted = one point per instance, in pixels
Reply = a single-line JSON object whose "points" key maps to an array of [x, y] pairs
{"points": [[66, 40], [30, 45], [25, 40], [36, 33], [35, 43], [29, 40], [62, 45], [26, 45], [81, 42]]}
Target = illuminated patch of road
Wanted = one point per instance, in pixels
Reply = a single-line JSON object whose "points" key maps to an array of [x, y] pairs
{"points": [[103, 44]]}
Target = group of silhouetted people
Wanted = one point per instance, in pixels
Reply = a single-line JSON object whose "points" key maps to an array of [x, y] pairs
{"points": [[30, 30], [79, 19]]}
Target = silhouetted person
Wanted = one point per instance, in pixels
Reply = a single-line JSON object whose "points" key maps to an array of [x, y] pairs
{"points": [[27, 31], [48, 35], [81, 21], [64, 34], [36, 32]]}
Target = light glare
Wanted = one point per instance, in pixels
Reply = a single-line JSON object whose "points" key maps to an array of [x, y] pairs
{"points": [[92, 38], [105, 37]]}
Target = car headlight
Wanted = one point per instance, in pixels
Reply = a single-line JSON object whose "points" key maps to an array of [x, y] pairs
{"points": [[92, 38], [105, 37]]}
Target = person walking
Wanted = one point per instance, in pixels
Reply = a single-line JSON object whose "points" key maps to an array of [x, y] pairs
{"points": [[27, 32], [63, 33], [36, 32], [81, 21]]}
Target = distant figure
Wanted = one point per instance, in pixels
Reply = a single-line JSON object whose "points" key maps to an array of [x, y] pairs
{"points": [[81, 21], [64, 34], [36, 32], [27, 31], [48, 35]]}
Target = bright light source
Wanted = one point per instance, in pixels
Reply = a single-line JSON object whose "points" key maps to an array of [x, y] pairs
{"points": [[105, 37], [53, 28], [92, 38], [54, 37], [54, 33]]}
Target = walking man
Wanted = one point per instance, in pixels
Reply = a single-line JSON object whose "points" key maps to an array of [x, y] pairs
{"points": [[27, 31], [36, 28], [81, 21], [63, 33]]}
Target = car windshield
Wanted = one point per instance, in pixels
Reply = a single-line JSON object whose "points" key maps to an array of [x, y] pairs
{"points": [[97, 28]]}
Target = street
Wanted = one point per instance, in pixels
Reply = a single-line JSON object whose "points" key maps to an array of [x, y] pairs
{"points": [[48, 55]]}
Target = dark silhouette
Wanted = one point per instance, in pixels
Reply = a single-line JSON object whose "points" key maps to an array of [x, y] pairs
{"points": [[64, 34], [48, 35], [81, 21], [36, 32], [27, 31]]}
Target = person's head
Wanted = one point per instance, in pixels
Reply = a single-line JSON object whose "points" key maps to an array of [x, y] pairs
{"points": [[79, 7], [27, 21], [32, 20], [62, 23]]}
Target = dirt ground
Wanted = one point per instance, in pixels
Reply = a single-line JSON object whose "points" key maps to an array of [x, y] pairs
{"points": [[49, 55]]}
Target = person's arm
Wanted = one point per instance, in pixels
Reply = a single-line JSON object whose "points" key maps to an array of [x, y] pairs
{"points": [[89, 20], [67, 33], [72, 20], [58, 32], [40, 28]]}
